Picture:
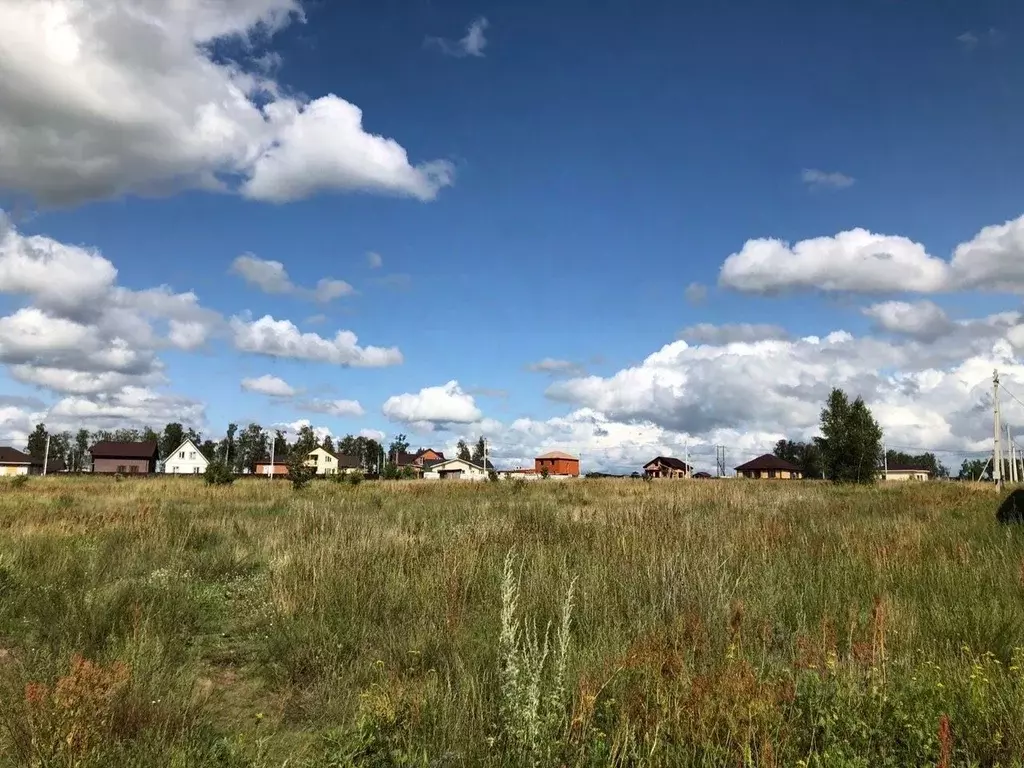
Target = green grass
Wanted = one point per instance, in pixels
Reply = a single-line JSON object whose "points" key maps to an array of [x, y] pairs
{"points": [[169, 623]]}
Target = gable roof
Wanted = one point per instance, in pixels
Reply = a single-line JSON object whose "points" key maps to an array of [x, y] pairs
{"points": [[669, 461], [188, 441], [424, 451], [14, 456], [438, 464], [768, 461], [347, 462], [110, 449], [907, 468], [558, 455]]}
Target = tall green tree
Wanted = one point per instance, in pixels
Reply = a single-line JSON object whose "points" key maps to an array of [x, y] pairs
{"points": [[36, 447], [209, 449], [975, 469], [252, 445], [399, 445], [82, 457], [227, 446], [305, 442], [924, 460], [462, 451], [281, 447], [851, 440], [150, 435], [478, 451], [807, 456], [328, 444], [61, 450], [172, 437], [127, 435]]}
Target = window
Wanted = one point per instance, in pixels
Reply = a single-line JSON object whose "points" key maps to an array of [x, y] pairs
{"points": [[121, 468], [191, 455], [771, 474], [328, 459], [195, 470], [181, 455], [133, 469]]}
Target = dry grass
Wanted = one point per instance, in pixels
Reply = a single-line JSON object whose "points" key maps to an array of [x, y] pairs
{"points": [[716, 623]]}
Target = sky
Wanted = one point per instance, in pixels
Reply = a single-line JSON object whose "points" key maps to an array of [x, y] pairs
{"points": [[621, 231]]}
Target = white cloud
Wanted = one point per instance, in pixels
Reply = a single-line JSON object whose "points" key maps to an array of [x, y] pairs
{"points": [[374, 260], [993, 259], [132, 407], [133, 99], [333, 407], [923, 320], [433, 407], [706, 333], [281, 338], [555, 367], [816, 179], [855, 260], [271, 277], [269, 385], [372, 434], [472, 44]]}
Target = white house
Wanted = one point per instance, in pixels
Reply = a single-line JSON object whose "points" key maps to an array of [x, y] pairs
{"points": [[902, 473], [186, 460], [327, 463], [457, 469]]}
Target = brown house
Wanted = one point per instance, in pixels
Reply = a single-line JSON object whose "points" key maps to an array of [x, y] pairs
{"points": [[667, 466], [422, 460], [557, 463], [280, 468], [109, 457], [769, 467]]}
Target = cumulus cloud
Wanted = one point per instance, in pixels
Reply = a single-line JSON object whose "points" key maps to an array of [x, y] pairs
{"points": [[706, 333], [433, 407], [131, 407], [333, 407], [134, 100], [855, 260], [472, 44], [924, 320], [817, 179], [555, 367], [282, 338], [861, 261], [271, 277], [374, 260], [269, 385]]}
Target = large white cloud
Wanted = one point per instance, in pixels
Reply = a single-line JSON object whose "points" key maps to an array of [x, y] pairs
{"points": [[282, 338], [922, 319], [133, 100], [269, 385], [433, 406]]}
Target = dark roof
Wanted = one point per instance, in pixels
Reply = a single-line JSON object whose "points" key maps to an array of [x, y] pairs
{"points": [[347, 462], [422, 451], [14, 456], [768, 461], [403, 459], [670, 461], [907, 468], [108, 449], [702, 475]]}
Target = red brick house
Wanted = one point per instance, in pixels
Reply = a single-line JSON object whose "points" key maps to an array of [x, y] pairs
{"points": [[109, 457], [557, 463]]}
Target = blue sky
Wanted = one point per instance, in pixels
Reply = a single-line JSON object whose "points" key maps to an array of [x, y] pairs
{"points": [[599, 161]]}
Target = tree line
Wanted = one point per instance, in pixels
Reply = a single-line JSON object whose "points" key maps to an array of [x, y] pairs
{"points": [[239, 450], [849, 448]]}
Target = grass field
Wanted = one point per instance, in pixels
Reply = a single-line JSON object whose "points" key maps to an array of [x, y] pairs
{"points": [[164, 622]]}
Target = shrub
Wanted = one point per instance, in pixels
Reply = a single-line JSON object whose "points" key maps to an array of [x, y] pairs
{"points": [[217, 473], [300, 474], [492, 476], [544, 473], [19, 480], [354, 477]]}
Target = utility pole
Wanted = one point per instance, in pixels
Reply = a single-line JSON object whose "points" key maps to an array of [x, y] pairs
{"points": [[1011, 456], [720, 459], [46, 455], [273, 445], [997, 448], [686, 458], [885, 463]]}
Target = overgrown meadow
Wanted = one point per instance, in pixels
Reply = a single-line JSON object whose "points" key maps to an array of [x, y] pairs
{"points": [[163, 622]]}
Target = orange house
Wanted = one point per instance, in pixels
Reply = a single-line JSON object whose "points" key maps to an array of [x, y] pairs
{"points": [[277, 469], [557, 463]]}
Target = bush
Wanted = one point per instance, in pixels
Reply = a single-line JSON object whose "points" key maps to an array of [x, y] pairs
{"points": [[354, 477], [19, 480], [300, 474], [217, 473], [492, 476]]}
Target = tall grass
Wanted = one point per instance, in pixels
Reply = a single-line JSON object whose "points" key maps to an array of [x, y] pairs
{"points": [[167, 622]]}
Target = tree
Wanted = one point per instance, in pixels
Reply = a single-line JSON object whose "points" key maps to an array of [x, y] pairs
{"points": [[173, 436], [149, 435], [227, 446], [478, 451], [305, 442], [127, 435], [60, 451], [209, 449], [462, 451], [807, 456], [81, 448], [975, 469], [37, 442], [281, 447], [253, 445], [328, 444], [399, 445], [851, 440]]}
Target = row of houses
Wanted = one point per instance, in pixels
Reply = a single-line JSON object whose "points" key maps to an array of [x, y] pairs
{"points": [[767, 467], [131, 458]]}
